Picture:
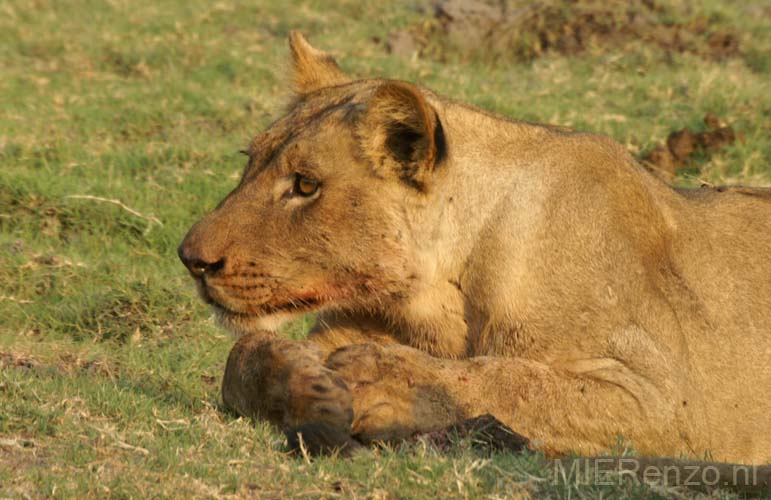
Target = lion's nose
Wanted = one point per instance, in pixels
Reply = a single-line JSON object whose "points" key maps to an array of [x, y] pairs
{"points": [[205, 245], [198, 264]]}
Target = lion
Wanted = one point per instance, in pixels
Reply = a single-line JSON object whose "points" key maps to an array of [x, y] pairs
{"points": [[461, 263]]}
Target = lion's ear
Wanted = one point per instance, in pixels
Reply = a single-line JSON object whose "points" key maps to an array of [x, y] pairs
{"points": [[312, 69], [401, 131]]}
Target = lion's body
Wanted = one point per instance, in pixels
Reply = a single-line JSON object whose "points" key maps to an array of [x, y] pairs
{"points": [[464, 263]]}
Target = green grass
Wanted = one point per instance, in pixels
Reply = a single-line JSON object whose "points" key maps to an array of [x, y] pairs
{"points": [[110, 366]]}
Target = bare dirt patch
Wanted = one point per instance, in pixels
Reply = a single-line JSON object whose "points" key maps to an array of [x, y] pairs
{"points": [[61, 364], [683, 146], [15, 360], [519, 30]]}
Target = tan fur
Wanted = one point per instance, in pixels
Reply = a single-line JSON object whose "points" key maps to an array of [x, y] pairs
{"points": [[312, 69], [462, 263]]}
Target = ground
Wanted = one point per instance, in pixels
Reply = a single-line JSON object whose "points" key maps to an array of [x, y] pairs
{"points": [[120, 126]]}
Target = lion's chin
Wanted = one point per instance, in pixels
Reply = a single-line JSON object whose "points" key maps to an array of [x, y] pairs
{"points": [[238, 324]]}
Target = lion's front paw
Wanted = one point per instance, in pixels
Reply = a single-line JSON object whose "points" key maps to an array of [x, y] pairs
{"points": [[317, 394], [397, 391], [381, 411], [285, 382]]}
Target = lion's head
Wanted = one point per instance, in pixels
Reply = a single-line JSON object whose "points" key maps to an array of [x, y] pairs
{"points": [[323, 216]]}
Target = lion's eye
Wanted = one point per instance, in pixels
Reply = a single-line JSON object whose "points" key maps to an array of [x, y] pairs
{"points": [[304, 186]]}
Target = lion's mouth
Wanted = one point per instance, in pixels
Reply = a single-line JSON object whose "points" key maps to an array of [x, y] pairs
{"points": [[239, 309], [265, 317]]}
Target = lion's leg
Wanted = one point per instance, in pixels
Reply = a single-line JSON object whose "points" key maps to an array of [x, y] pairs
{"points": [[398, 390], [386, 392]]}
